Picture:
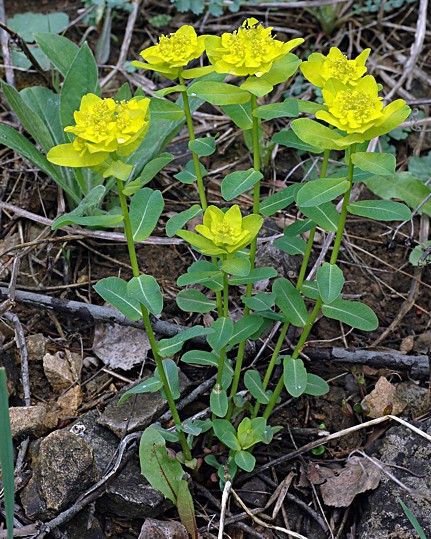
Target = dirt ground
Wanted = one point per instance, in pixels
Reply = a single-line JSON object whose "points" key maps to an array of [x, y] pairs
{"points": [[374, 258]]}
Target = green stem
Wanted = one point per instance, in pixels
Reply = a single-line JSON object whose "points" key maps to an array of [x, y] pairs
{"points": [[225, 311], [147, 324], [196, 163], [314, 313], [252, 256]]}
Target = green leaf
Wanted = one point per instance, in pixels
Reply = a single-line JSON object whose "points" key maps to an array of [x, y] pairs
{"points": [[186, 510], [255, 275], [325, 216], [316, 386], [230, 440], [203, 146], [27, 24], [12, 139], [290, 302], [381, 164], [298, 227], [253, 383], [286, 137], [161, 471], [285, 109], [245, 328], [418, 255], [291, 246], [236, 266], [353, 313], [279, 201], [218, 93], [82, 78], [221, 427], [169, 347], [6, 455], [219, 402], [198, 277], [171, 371], [403, 186], [245, 460], [241, 115], [239, 182], [146, 290], [152, 168], [194, 301], [149, 385], [114, 291], [381, 210], [259, 302], [171, 90], [188, 174], [282, 69], [330, 280], [315, 134], [413, 520], [317, 192], [223, 329], [162, 110], [310, 289], [46, 104], [200, 357], [60, 51], [87, 205], [294, 376], [177, 222], [146, 207], [28, 117], [257, 86]]}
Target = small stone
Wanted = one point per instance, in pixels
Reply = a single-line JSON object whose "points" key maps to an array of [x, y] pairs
{"points": [[159, 529], [84, 526], [415, 397], [36, 346], [27, 421], [62, 369], [383, 400], [70, 401], [65, 468], [137, 412], [255, 492]]}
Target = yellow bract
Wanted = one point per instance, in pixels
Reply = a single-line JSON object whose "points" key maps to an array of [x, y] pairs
{"points": [[173, 52], [319, 68], [103, 126], [250, 50], [223, 233]]}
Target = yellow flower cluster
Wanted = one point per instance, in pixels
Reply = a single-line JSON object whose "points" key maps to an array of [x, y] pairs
{"points": [[103, 126], [173, 52], [351, 99], [223, 234], [250, 50]]}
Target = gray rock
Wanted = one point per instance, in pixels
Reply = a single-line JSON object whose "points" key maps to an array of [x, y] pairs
{"points": [[84, 526], [383, 517], [268, 255], [137, 412], [130, 495], [65, 468], [158, 529], [27, 421]]}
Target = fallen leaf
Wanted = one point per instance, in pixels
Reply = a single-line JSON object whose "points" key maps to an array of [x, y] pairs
{"points": [[359, 475], [383, 400]]}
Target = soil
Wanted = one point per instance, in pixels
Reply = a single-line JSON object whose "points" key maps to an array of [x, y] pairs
{"points": [[374, 259]]}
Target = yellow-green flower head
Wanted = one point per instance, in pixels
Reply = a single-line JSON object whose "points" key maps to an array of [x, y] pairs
{"points": [[250, 50], [173, 52], [103, 126], [223, 234], [319, 68]]}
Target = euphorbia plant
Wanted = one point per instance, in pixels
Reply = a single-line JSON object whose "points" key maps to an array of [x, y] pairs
{"points": [[106, 131]]}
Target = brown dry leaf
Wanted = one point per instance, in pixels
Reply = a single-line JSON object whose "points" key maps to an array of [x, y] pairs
{"points": [[407, 344], [120, 347], [383, 400], [359, 475]]}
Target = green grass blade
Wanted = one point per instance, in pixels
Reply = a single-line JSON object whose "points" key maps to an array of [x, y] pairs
{"points": [[6, 455], [413, 520]]}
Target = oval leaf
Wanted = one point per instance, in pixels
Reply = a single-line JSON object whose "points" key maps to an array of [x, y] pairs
{"points": [[150, 385], [168, 347], [381, 164], [146, 290], [146, 207], [218, 93], [279, 201], [290, 302], [318, 192], [194, 301], [326, 216], [330, 280], [223, 329], [315, 134], [238, 265], [200, 357], [294, 376], [239, 182], [114, 291], [219, 402], [353, 313], [245, 328], [253, 383], [203, 146], [245, 460], [381, 210], [316, 386], [291, 245]]}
